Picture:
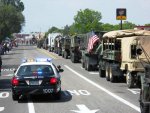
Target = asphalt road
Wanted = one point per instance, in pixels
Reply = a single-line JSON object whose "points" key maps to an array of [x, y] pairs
{"points": [[82, 91]]}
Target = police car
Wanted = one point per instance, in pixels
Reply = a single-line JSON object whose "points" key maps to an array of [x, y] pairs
{"points": [[36, 76]]}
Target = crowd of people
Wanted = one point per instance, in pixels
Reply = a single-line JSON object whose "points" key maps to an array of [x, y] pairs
{"points": [[5, 47]]}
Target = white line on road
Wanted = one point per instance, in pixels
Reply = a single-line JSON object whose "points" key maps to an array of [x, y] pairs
{"points": [[94, 73], [105, 90], [31, 107]]}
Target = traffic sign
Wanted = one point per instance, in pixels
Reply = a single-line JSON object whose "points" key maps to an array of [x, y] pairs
{"points": [[121, 14]]}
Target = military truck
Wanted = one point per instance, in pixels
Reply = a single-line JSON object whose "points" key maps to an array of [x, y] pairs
{"points": [[90, 58], [77, 44], [65, 47], [119, 58], [145, 78], [58, 45]]}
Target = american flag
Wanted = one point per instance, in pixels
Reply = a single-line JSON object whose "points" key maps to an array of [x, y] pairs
{"points": [[92, 40]]}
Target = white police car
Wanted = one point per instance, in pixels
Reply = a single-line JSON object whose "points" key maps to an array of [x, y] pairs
{"points": [[36, 76]]}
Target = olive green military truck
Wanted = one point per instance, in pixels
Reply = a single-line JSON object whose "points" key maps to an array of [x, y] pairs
{"points": [[119, 58]]}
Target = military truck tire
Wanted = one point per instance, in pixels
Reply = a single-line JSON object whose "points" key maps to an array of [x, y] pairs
{"points": [[112, 77], [83, 65], [107, 72], [101, 72], [65, 55], [129, 80], [144, 108]]}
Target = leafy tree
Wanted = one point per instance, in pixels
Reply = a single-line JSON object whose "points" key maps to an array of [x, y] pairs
{"points": [[87, 20], [53, 29], [147, 24], [16, 3], [107, 27], [11, 21]]}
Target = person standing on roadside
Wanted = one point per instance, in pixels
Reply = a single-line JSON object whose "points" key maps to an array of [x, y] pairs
{"points": [[0, 64]]}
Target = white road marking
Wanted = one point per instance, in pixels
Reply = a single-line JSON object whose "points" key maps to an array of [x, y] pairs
{"points": [[31, 107], [8, 75], [84, 109], [2, 109], [135, 91], [105, 90], [94, 73]]}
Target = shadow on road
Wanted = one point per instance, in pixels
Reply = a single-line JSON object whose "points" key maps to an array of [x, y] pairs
{"points": [[65, 97], [5, 85]]}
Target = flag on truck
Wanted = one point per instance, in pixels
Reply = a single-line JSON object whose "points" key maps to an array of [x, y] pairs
{"points": [[92, 40]]}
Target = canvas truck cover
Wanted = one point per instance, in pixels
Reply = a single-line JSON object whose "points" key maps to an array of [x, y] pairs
{"points": [[126, 33], [144, 44]]}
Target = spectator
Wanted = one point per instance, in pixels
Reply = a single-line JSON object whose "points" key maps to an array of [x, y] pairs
{"points": [[0, 64]]}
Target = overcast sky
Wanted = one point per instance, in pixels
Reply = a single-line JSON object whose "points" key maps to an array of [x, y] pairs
{"points": [[40, 15]]}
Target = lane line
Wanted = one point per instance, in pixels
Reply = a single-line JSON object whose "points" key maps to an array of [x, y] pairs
{"points": [[49, 54], [105, 90], [31, 107]]}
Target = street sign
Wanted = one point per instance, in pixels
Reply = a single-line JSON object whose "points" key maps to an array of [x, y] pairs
{"points": [[121, 14]]}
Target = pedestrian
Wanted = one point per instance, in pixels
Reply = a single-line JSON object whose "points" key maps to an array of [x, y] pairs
{"points": [[0, 64]]}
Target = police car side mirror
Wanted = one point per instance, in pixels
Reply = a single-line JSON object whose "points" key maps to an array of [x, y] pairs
{"points": [[139, 51], [60, 70]]}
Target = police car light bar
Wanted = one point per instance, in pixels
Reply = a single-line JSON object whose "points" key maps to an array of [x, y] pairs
{"points": [[43, 59], [37, 60]]}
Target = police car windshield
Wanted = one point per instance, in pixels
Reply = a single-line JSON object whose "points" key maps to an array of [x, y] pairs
{"points": [[35, 70]]}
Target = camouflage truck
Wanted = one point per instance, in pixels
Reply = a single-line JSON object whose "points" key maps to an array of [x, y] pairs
{"points": [[77, 44], [119, 58], [65, 47], [90, 57]]}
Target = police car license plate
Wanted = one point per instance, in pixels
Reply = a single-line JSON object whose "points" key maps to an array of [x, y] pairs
{"points": [[34, 82]]}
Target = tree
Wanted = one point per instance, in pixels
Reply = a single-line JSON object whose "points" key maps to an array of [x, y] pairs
{"points": [[16, 3], [11, 21], [87, 20]]}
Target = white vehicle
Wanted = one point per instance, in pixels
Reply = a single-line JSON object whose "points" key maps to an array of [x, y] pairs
{"points": [[51, 42]]}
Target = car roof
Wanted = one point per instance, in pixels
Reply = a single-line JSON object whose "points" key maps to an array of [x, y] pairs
{"points": [[36, 63]]}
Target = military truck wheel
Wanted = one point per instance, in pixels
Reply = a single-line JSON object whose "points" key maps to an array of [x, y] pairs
{"points": [[144, 108], [129, 80], [107, 72], [112, 77], [83, 65], [101, 72], [65, 55]]}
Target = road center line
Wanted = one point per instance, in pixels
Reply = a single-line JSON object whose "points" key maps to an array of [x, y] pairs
{"points": [[105, 90], [31, 107]]}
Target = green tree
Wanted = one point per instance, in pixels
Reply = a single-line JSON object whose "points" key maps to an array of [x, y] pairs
{"points": [[87, 20], [11, 21], [16, 3], [107, 27]]}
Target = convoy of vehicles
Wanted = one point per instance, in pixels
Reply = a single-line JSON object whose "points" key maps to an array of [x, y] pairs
{"points": [[118, 55], [36, 76]]}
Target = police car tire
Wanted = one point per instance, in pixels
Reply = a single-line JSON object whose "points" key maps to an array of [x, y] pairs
{"points": [[15, 97]]}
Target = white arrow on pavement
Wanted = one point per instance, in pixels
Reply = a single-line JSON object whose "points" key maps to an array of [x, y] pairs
{"points": [[84, 109], [1, 109]]}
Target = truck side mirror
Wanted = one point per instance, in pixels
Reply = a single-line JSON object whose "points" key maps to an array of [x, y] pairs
{"points": [[139, 51]]}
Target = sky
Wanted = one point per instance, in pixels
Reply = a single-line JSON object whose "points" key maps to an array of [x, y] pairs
{"points": [[40, 15]]}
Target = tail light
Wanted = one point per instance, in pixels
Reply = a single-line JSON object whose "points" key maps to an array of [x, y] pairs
{"points": [[53, 81], [15, 81]]}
